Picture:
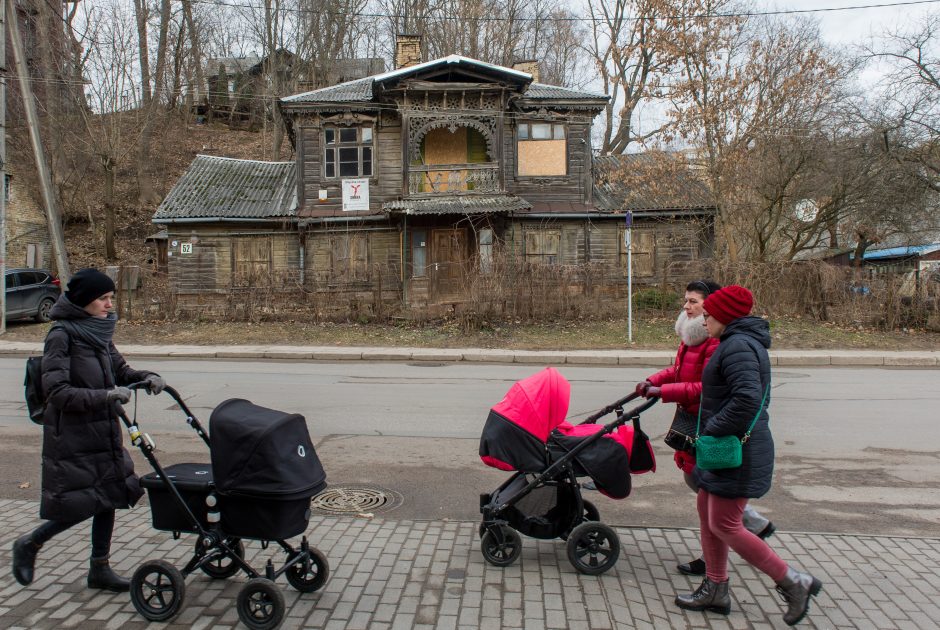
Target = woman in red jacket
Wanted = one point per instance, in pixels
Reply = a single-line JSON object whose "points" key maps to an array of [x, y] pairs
{"points": [[681, 383]]}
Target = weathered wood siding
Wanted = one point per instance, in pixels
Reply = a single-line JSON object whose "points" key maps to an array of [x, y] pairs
{"points": [[385, 183], [575, 187]]}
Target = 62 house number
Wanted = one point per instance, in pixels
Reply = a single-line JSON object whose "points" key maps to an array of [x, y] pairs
{"points": [[186, 248]]}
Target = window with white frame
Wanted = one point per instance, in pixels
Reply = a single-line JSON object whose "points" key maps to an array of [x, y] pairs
{"points": [[347, 151]]}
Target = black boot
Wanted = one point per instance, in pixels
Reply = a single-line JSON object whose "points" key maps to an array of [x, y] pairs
{"points": [[796, 589], [693, 567], [101, 576], [24, 558], [713, 596]]}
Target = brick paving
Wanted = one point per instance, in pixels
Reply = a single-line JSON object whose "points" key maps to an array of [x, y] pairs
{"points": [[430, 575]]}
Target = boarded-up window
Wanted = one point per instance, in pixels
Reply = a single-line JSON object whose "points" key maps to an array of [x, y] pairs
{"points": [[349, 257], [251, 261], [541, 246], [644, 252], [486, 250], [541, 149]]}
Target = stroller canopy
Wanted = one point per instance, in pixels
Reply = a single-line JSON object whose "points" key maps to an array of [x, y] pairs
{"points": [[538, 403], [518, 426], [262, 452]]}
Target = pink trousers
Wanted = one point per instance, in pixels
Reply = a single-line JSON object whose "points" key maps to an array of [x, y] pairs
{"points": [[720, 520]]}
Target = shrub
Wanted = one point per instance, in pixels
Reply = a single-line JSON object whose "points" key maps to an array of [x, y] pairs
{"points": [[654, 299]]}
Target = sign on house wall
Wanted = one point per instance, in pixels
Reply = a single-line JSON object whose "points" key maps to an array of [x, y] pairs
{"points": [[355, 194]]}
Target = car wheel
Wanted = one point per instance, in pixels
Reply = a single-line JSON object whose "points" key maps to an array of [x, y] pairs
{"points": [[42, 313]]}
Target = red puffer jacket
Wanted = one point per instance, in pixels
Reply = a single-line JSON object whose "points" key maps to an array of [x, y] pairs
{"points": [[682, 382]]}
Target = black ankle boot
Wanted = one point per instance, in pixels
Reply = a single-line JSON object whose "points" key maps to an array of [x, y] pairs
{"points": [[24, 558], [713, 596], [101, 576], [796, 589], [693, 567]]}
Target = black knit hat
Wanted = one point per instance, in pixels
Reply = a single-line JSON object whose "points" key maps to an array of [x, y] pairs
{"points": [[87, 285]]}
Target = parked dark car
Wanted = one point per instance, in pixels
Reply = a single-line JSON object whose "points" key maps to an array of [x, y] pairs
{"points": [[31, 293]]}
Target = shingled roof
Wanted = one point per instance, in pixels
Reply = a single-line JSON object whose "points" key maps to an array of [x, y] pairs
{"points": [[639, 182], [361, 90], [224, 188], [458, 204]]}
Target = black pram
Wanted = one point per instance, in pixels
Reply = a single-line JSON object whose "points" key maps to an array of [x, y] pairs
{"points": [[263, 473]]}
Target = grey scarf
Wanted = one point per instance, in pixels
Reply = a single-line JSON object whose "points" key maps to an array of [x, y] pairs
{"points": [[95, 331]]}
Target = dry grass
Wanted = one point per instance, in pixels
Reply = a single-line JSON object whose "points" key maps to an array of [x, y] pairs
{"points": [[650, 332]]}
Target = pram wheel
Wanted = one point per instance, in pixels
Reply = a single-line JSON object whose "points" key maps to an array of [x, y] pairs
{"points": [[590, 511], [157, 590], [309, 576], [223, 566], [501, 554], [593, 548], [260, 604]]}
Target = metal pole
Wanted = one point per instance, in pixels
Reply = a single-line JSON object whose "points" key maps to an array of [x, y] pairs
{"points": [[628, 235], [53, 218], [3, 169]]}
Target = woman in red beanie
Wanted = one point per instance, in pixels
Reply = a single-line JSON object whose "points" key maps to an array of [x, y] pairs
{"points": [[681, 383], [735, 391]]}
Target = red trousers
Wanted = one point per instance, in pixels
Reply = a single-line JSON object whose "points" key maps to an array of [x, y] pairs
{"points": [[720, 520]]}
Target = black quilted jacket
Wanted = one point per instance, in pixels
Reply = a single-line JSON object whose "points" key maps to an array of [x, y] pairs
{"points": [[733, 383], [85, 468]]}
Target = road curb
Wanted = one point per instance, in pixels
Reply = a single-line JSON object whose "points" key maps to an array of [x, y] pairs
{"points": [[651, 358]]}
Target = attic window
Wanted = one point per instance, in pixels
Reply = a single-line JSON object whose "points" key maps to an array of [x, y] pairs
{"points": [[541, 149], [347, 151]]}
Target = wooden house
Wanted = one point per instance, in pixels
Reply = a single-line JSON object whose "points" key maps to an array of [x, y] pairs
{"points": [[413, 184]]}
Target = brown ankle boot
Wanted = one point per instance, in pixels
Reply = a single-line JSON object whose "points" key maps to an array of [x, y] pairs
{"points": [[713, 596]]}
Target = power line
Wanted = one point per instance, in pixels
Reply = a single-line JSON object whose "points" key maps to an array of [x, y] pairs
{"points": [[742, 14]]}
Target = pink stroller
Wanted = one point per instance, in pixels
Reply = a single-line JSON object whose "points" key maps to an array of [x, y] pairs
{"points": [[526, 433]]}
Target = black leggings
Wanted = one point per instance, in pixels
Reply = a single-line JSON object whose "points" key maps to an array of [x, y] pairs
{"points": [[102, 526]]}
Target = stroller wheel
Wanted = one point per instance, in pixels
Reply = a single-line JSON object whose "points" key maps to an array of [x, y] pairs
{"points": [[222, 566], [501, 554], [590, 511], [157, 590], [260, 604], [309, 576], [593, 548]]}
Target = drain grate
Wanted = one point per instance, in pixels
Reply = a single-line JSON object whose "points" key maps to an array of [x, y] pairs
{"points": [[356, 499]]}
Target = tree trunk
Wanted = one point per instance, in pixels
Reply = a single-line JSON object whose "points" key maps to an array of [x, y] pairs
{"points": [[198, 87], [143, 13], [146, 193], [107, 166]]}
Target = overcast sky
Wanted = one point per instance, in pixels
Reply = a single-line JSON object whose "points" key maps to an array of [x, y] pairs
{"points": [[854, 26]]}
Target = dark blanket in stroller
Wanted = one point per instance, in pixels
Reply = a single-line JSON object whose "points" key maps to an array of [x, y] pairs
{"points": [[526, 431]]}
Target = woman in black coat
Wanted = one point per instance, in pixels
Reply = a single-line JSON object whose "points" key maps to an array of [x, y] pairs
{"points": [[86, 472], [735, 396]]}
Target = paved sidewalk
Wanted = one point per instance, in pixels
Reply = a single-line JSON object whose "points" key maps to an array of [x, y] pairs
{"points": [[431, 575], [654, 358]]}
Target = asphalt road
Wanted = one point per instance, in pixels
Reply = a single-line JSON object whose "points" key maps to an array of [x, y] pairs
{"points": [[858, 449]]}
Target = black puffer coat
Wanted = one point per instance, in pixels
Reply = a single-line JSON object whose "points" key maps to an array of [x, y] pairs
{"points": [[733, 384], [85, 468]]}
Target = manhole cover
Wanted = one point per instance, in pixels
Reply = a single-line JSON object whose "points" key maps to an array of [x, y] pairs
{"points": [[351, 499]]}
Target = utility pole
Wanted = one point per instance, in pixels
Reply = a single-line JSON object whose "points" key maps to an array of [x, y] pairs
{"points": [[53, 216], [3, 169]]}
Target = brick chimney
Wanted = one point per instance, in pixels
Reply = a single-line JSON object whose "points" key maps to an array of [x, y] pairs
{"points": [[528, 65], [407, 50]]}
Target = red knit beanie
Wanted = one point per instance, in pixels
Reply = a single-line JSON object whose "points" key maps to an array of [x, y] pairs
{"points": [[729, 303]]}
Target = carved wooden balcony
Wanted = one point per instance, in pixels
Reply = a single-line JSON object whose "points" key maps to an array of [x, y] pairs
{"points": [[435, 179]]}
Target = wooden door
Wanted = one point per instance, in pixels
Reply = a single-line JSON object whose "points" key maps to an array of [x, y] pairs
{"points": [[447, 268]]}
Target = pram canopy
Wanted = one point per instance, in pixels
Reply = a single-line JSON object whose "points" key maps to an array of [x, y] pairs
{"points": [[518, 427], [262, 452]]}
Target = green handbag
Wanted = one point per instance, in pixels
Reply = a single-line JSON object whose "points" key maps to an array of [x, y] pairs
{"points": [[717, 453]]}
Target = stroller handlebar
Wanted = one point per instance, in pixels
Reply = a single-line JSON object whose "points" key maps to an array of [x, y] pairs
{"points": [[118, 410], [618, 407]]}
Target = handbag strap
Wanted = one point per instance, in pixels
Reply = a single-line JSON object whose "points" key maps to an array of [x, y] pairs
{"points": [[747, 435]]}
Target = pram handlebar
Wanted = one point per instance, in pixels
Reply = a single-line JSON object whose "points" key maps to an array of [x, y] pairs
{"points": [[615, 406], [175, 395]]}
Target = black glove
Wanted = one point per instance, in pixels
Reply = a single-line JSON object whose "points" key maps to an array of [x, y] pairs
{"points": [[155, 383], [653, 392], [642, 387], [120, 394]]}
